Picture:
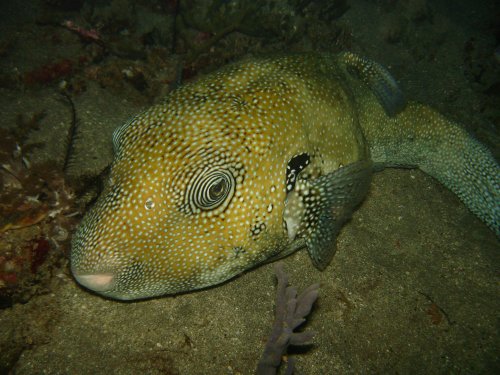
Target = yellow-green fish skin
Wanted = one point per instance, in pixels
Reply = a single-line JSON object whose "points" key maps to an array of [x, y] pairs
{"points": [[198, 191]]}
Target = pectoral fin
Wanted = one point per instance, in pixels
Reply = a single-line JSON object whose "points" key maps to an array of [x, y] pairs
{"points": [[323, 205]]}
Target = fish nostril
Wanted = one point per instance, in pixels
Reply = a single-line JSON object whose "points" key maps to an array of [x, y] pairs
{"points": [[99, 282]]}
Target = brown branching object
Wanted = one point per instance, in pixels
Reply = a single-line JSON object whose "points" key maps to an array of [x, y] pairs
{"points": [[291, 312]]}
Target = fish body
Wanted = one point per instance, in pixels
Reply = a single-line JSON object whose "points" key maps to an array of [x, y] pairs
{"points": [[255, 161]]}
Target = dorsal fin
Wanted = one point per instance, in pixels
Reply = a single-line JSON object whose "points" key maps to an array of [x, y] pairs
{"points": [[378, 79]]}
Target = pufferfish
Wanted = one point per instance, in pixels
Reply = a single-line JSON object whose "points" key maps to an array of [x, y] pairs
{"points": [[255, 161]]}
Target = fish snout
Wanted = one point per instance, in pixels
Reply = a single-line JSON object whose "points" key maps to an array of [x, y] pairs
{"points": [[98, 282]]}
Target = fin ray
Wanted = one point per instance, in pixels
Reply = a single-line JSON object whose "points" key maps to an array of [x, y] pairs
{"points": [[378, 79]]}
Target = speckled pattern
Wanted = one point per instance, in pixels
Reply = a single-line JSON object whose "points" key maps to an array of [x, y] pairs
{"points": [[198, 187]]}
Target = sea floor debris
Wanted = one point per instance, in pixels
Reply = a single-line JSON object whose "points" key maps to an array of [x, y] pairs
{"points": [[38, 211]]}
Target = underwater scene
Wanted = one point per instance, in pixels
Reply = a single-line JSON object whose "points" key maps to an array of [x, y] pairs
{"points": [[198, 187]]}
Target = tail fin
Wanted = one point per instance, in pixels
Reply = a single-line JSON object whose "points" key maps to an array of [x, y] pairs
{"points": [[421, 137], [414, 135]]}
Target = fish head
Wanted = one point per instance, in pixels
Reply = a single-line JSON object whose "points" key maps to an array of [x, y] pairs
{"points": [[195, 196]]}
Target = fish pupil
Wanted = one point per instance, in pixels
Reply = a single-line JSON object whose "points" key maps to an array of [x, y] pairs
{"points": [[217, 190]]}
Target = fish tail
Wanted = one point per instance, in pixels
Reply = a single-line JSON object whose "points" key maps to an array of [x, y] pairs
{"points": [[421, 137]]}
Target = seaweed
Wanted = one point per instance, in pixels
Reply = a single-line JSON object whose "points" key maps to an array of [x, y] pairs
{"points": [[291, 312]]}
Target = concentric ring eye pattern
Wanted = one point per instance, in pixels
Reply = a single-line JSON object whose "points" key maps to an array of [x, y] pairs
{"points": [[210, 189]]}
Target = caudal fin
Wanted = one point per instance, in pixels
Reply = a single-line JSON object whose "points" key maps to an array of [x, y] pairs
{"points": [[403, 134], [421, 137]]}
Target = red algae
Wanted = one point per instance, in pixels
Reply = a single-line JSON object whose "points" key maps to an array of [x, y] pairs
{"points": [[37, 211], [49, 72], [39, 253]]}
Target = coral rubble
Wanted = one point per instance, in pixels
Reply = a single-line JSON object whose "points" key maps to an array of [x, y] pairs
{"points": [[291, 312]]}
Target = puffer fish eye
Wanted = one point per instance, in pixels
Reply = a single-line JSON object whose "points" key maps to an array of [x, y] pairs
{"points": [[218, 189], [210, 190]]}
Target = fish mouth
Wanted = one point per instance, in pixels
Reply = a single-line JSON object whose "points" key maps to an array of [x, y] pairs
{"points": [[98, 282], [121, 284], [107, 285]]}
